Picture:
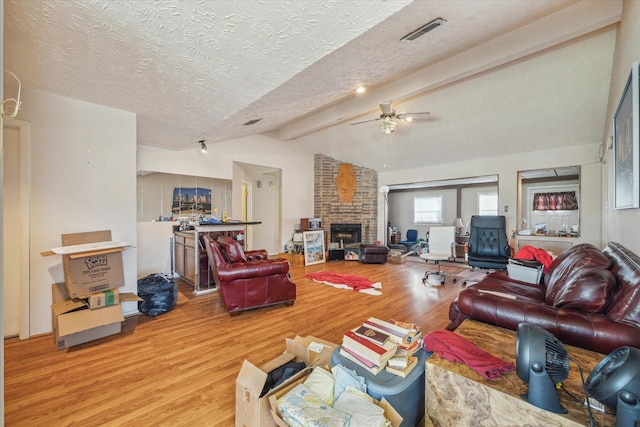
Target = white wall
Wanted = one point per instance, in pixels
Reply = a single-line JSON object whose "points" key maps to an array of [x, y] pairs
{"points": [[82, 179], [621, 225], [507, 167], [295, 162]]}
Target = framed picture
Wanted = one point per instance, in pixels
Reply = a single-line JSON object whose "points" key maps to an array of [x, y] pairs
{"points": [[313, 247], [626, 150]]}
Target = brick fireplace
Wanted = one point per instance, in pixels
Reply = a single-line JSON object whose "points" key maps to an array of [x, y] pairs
{"points": [[363, 209]]}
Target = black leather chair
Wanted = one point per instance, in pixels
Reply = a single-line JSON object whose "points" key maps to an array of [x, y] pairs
{"points": [[488, 243]]}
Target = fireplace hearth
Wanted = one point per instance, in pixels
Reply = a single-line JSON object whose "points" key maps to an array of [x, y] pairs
{"points": [[345, 234]]}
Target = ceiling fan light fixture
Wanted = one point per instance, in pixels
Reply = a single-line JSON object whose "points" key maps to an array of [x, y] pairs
{"points": [[388, 125]]}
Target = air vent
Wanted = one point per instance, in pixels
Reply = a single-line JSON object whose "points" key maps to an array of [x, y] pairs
{"points": [[423, 30], [251, 122]]}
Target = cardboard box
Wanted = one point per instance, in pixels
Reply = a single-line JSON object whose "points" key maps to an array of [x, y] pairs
{"points": [[72, 327], [109, 298], [253, 410], [92, 262], [104, 299], [397, 257], [389, 412]]}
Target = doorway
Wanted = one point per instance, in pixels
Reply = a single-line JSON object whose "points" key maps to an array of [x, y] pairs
{"points": [[16, 220]]}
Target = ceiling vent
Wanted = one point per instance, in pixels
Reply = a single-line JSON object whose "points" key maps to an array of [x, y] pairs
{"points": [[423, 30], [251, 122]]}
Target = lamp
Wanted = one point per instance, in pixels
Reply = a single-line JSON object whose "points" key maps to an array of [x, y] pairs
{"points": [[385, 193], [458, 224], [203, 146], [388, 125]]}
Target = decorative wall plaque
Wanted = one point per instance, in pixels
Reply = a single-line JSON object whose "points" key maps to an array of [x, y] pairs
{"points": [[346, 183]]}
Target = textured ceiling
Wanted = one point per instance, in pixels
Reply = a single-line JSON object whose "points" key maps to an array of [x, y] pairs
{"points": [[196, 69]]}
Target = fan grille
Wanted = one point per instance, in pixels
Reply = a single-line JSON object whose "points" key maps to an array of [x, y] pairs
{"points": [[607, 367], [557, 359]]}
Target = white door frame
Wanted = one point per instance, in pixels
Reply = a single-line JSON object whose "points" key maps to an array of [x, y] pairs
{"points": [[24, 210]]}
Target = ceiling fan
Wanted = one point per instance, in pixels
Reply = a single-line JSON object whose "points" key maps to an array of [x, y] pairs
{"points": [[389, 115]]}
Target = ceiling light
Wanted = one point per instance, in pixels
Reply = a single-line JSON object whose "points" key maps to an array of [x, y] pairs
{"points": [[388, 125], [203, 146], [361, 89]]}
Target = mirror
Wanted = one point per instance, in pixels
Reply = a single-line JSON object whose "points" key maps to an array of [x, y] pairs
{"points": [[162, 196], [549, 202]]}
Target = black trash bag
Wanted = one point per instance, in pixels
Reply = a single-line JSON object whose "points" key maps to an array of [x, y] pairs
{"points": [[159, 294]]}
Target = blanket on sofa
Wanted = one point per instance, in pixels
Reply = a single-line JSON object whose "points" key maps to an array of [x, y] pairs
{"points": [[530, 253]]}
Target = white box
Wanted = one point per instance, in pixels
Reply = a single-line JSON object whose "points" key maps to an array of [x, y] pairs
{"points": [[524, 274]]}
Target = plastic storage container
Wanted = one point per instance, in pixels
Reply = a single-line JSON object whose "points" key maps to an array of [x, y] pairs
{"points": [[406, 395], [523, 273]]}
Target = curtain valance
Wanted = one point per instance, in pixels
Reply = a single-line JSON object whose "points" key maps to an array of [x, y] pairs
{"points": [[558, 201]]}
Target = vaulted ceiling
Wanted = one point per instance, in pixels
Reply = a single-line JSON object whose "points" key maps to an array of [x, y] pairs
{"points": [[497, 77]]}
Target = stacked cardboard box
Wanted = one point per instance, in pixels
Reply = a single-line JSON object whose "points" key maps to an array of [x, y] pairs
{"points": [[87, 305]]}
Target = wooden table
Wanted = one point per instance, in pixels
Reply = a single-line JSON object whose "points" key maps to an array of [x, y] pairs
{"points": [[457, 395]]}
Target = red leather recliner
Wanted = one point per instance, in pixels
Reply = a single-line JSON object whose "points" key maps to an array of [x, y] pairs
{"points": [[247, 280]]}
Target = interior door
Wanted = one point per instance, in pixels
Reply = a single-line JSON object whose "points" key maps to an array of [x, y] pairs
{"points": [[16, 220]]}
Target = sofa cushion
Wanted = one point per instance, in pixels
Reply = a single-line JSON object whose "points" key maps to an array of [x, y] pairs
{"points": [[232, 249], [625, 305], [570, 262], [588, 289]]}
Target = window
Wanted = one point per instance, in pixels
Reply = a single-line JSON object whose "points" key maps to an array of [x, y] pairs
{"points": [[487, 203], [427, 209]]}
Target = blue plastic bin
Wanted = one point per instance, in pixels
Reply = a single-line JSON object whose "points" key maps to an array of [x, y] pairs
{"points": [[406, 395]]}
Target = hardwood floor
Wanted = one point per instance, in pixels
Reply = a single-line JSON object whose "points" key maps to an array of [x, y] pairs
{"points": [[179, 368]]}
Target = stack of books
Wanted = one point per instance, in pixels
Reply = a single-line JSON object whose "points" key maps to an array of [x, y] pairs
{"points": [[402, 333], [377, 342], [368, 348]]}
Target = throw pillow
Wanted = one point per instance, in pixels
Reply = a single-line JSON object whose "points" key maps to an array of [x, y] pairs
{"points": [[233, 249], [589, 290]]}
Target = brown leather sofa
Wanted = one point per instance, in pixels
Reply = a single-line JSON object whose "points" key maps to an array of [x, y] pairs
{"points": [[247, 280], [588, 298]]}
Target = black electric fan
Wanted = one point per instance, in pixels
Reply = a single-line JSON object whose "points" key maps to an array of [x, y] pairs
{"points": [[542, 362], [615, 382]]}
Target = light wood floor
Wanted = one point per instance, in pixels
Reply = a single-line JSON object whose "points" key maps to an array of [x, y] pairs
{"points": [[179, 368]]}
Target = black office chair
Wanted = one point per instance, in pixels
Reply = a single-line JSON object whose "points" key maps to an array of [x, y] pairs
{"points": [[488, 243], [412, 239]]}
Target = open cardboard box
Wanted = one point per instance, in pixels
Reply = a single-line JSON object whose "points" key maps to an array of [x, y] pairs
{"points": [[92, 262], [74, 323], [253, 410], [389, 412]]}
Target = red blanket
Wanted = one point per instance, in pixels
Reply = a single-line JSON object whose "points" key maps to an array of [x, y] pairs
{"points": [[529, 253], [453, 347], [346, 281]]}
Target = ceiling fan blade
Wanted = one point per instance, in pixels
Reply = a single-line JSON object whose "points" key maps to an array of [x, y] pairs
{"points": [[386, 108], [365, 121], [411, 116]]}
